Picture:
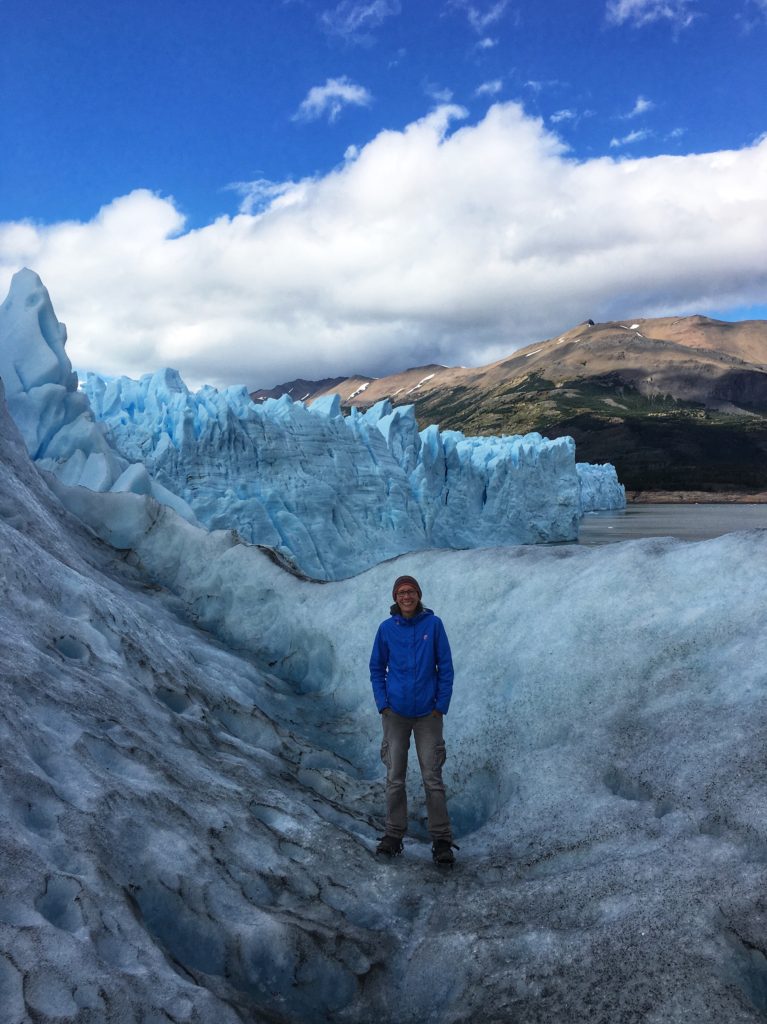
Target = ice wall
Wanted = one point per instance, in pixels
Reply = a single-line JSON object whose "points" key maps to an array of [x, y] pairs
{"points": [[600, 488], [52, 414], [41, 390], [336, 493]]}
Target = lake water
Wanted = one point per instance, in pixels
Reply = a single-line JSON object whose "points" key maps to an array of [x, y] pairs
{"points": [[687, 522]]}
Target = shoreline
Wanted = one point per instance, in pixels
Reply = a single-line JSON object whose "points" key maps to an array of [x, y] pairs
{"points": [[695, 498]]}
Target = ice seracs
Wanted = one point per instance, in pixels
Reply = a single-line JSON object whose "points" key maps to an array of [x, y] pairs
{"points": [[334, 494], [42, 394], [600, 488], [52, 413]]}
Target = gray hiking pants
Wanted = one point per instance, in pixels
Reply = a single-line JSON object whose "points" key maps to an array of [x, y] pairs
{"points": [[430, 748]]}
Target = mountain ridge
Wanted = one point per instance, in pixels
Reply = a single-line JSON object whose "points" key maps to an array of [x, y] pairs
{"points": [[675, 403]]}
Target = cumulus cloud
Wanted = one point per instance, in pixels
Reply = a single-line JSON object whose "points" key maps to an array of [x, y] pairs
{"points": [[680, 13], [259, 194], [563, 115], [356, 22], [489, 88], [447, 241], [331, 98]]}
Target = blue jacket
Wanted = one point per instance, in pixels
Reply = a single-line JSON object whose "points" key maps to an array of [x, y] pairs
{"points": [[411, 667]]}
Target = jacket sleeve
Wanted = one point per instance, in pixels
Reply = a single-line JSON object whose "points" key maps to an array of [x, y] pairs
{"points": [[444, 669], [379, 661]]}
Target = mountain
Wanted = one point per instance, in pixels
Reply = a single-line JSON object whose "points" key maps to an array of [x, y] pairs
{"points": [[675, 403], [300, 390]]}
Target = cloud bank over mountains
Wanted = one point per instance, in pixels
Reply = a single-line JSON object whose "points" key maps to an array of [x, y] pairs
{"points": [[447, 241]]}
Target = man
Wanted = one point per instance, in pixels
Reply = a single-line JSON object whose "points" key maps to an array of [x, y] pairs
{"points": [[411, 670]]}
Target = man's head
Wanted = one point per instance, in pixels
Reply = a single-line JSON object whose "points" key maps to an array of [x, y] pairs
{"points": [[407, 595]]}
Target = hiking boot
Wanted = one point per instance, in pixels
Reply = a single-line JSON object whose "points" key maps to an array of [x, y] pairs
{"points": [[442, 852], [390, 845]]}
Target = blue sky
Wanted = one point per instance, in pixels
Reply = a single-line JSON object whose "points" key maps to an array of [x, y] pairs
{"points": [[143, 144]]}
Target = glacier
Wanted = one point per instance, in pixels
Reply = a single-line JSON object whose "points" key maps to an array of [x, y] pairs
{"points": [[42, 394], [337, 493], [191, 789], [599, 487], [333, 494]]}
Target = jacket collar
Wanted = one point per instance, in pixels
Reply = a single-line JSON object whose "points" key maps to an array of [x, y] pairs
{"points": [[415, 618]]}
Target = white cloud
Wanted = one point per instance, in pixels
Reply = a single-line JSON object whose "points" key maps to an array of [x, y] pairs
{"points": [[437, 93], [538, 86], [481, 18], [642, 106], [487, 43], [259, 194], [752, 15], [355, 22], [489, 88], [331, 98], [638, 135], [445, 242], [563, 115], [644, 12]]}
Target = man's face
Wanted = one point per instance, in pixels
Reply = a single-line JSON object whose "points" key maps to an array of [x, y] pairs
{"points": [[407, 600]]}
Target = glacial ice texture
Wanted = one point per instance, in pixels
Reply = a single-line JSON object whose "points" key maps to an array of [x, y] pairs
{"points": [[186, 825], [337, 494], [53, 415], [186, 833], [334, 494], [600, 488]]}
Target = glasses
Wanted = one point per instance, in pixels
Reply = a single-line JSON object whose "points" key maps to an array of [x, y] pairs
{"points": [[407, 593]]}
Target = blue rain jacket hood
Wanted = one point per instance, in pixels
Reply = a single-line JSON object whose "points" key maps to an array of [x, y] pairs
{"points": [[411, 667]]}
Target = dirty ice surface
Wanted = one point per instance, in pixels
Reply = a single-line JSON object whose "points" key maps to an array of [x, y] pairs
{"points": [[335, 494], [191, 790]]}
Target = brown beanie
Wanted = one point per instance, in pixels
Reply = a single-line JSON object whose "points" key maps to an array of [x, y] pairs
{"points": [[406, 579]]}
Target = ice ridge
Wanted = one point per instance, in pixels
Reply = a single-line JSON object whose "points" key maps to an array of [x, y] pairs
{"points": [[600, 488], [337, 493], [334, 494], [52, 414]]}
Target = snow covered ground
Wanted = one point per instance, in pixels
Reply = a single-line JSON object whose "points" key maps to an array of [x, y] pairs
{"points": [[191, 792]]}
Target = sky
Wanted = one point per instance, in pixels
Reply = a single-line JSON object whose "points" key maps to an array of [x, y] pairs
{"points": [[255, 191]]}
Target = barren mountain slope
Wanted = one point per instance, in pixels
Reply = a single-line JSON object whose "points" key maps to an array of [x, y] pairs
{"points": [[677, 403]]}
